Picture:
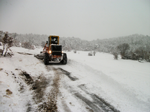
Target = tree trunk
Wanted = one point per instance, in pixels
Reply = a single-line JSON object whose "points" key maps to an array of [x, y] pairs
{"points": [[6, 51], [3, 49]]}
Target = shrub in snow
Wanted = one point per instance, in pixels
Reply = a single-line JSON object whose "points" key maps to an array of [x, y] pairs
{"points": [[90, 54], [115, 55], [16, 43], [27, 45], [143, 53], [75, 51], [123, 49], [94, 52]]}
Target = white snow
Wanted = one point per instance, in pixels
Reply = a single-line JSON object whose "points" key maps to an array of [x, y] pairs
{"points": [[125, 84]]}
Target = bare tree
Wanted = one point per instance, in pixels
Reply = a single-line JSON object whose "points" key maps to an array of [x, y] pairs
{"points": [[4, 41], [7, 43]]}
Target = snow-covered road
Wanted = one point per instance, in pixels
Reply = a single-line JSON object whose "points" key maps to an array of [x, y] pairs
{"points": [[85, 84]]}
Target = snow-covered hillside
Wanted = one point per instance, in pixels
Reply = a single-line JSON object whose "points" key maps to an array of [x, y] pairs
{"points": [[86, 83]]}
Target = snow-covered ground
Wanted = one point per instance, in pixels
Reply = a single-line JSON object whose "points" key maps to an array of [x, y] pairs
{"points": [[83, 83]]}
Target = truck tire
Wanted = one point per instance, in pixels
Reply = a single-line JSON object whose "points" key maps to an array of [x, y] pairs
{"points": [[46, 59], [64, 61]]}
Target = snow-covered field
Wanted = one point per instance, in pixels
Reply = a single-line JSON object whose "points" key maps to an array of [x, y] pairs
{"points": [[86, 83]]}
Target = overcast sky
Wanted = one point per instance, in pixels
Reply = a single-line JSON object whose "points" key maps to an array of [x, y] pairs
{"points": [[85, 19]]}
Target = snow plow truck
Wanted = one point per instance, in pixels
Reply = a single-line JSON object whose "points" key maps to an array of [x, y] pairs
{"points": [[52, 52]]}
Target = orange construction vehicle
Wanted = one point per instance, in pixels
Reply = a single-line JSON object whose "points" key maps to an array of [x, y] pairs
{"points": [[52, 51]]}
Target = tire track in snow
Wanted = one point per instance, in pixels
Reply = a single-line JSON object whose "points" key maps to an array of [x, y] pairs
{"points": [[100, 102], [65, 107], [110, 87], [97, 105], [68, 74]]}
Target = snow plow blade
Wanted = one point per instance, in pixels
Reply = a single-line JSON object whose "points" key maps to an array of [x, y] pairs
{"points": [[39, 56]]}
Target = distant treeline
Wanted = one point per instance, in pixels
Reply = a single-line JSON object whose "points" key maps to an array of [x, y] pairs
{"points": [[135, 41]]}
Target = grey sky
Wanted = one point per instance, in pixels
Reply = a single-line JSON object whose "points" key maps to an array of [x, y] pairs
{"points": [[85, 19]]}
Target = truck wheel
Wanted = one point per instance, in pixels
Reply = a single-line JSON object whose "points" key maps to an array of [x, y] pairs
{"points": [[64, 61], [46, 59]]}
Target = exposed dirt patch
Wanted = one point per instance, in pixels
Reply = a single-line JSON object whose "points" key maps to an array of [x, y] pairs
{"points": [[20, 79], [68, 74], [8, 92], [17, 80], [29, 109], [22, 88], [52, 99], [51, 104], [1, 69], [27, 78], [49, 68], [39, 87]]}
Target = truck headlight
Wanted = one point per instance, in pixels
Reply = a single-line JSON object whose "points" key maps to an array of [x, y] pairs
{"points": [[49, 51]]}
